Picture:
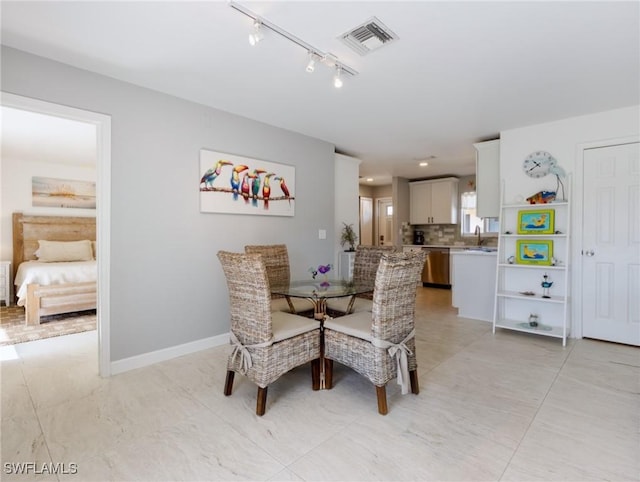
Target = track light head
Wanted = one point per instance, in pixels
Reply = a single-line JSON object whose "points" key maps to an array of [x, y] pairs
{"points": [[311, 65], [337, 79], [256, 35]]}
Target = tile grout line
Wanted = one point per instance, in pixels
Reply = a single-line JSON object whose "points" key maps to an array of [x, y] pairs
{"points": [[535, 415]]}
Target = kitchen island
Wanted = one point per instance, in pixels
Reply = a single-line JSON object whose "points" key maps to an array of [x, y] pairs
{"points": [[474, 282]]}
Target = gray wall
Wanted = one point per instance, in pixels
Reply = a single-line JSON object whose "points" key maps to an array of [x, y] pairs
{"points": [[167, 287]]}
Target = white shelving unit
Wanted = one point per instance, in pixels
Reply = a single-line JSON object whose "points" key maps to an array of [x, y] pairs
{"points": [[512, 307]]}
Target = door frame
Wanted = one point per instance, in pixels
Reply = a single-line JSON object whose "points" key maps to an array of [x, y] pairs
{"points": [[102, 123], [377, 219], [578, 216]]}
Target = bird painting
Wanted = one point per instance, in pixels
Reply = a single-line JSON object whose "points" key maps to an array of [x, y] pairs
{"points": [[225, 179], [266, 189], [245, 188], [255, 186], [213, 173], [283, 188], [235, 179]]}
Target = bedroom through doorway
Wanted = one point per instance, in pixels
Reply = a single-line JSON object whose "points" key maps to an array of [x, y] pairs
{"points": [[56, 142]]}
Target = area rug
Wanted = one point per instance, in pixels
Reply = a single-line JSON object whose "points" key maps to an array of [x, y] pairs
{"points": [[13, 329]]}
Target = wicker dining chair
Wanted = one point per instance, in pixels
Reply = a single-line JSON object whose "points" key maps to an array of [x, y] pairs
{"points": [[365, 266], [276, 260], [380, 345], [266, 344]]}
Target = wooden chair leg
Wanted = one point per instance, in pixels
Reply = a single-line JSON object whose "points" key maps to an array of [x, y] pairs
{"points": [[315, 374], [262, 401], [228, 384], [382, 400], [413, 378], [328, 374]]}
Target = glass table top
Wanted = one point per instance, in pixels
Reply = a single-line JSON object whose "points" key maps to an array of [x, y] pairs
{"points": [[330, 288]]}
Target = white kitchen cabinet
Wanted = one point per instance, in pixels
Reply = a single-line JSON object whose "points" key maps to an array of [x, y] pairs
{"points": [[521, 303], [433, 202], [488, 179]]}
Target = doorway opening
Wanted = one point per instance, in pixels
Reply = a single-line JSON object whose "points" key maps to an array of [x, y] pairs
{"points": [[102, 125]]}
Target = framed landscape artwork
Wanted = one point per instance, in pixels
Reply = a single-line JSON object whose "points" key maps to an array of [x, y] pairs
{"points": [[540, 221], [534, 251], [62, 193], [240, 185]]}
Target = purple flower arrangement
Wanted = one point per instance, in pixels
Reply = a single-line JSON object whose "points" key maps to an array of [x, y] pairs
{"points": [[322, 269]]}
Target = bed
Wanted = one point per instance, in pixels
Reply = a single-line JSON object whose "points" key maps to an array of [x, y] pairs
{"points": [[50, 288]]}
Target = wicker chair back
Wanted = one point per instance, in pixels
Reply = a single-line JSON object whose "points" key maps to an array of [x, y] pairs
{"points": [[249, 296]]}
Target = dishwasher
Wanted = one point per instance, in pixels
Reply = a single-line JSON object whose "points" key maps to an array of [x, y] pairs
{"points": [[436, 268]]}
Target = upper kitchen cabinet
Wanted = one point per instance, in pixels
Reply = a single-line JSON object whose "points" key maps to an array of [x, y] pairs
{"points": [[433, 202], [488, 179]]}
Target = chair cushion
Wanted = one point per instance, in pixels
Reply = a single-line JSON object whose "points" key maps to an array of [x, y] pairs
{"points": [[355, 324], [341, 304], [280, 304], [288, 325]]}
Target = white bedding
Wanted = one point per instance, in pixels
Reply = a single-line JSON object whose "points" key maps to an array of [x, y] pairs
{"points": [[53, 273]]}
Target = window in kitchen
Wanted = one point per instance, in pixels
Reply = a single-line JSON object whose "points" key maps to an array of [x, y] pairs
{"points": [[469, 220]]}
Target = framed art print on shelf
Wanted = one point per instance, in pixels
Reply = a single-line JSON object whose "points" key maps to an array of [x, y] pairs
{"points": [[534, 252], [240, 185], [540, 221]]}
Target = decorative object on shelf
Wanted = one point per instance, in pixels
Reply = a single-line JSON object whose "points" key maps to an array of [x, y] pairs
{"points": [[558, 172], [540, 221], [538, 164], [542, 197], [323, 269], [527, 293], [511, 259], [534, 251], [533, 320], [546, 284], [348, 236]]}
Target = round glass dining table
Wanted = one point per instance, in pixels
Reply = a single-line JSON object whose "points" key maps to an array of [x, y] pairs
{"points": [[318, 291]]}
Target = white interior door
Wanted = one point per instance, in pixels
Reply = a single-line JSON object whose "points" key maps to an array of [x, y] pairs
{"points": [[611, 244], [385, 222], [366, 221]]}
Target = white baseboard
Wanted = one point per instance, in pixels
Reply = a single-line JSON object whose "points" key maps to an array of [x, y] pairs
{"points": [[146, 359]]}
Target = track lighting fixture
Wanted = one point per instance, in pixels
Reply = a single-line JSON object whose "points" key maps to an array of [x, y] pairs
{"points": [[311, 65], [315, 55], [337, 78], [256, 35]]}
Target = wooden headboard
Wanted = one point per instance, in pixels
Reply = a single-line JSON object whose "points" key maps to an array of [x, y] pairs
{"points": [[27, 230]]}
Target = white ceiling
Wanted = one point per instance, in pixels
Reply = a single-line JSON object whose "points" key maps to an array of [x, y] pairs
{"points": [[460, 72]]}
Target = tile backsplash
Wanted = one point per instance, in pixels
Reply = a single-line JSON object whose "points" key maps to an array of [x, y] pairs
{"points": [[444, 234]]}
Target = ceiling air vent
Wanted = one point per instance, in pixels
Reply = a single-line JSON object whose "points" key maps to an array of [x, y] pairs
{"points": [[368, 37]]}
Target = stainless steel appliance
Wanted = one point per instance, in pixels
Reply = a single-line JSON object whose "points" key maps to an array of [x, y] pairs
{"points": [[418, 237], [436, 268]]}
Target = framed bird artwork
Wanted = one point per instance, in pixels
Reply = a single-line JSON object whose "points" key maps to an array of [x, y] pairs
{"points": [[240, 185]]}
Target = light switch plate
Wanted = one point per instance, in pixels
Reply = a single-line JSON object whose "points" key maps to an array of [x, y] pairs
{"points": [[322, 234]]}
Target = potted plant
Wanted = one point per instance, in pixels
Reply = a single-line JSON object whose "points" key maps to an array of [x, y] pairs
{"points": [[348, 236]]}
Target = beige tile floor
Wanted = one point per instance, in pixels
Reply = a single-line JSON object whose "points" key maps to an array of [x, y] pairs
{"points": [[507, 406]]}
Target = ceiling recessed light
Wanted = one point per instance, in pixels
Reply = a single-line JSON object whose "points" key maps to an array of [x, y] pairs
{"points": [[423, 164]]}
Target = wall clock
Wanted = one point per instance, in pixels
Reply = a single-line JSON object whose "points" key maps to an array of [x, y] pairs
{"points": [[538, 164]]}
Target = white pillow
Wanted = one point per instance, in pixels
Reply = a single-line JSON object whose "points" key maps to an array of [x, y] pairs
{"points": [[52, 251]]}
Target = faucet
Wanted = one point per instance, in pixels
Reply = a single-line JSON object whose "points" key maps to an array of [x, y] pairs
{"points": [[477, 232]]}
